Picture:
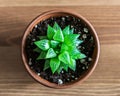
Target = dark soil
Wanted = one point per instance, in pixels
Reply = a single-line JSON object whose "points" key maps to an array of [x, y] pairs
{"points": [[86, 47]]}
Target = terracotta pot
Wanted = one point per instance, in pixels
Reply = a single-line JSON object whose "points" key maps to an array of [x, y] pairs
{"points": [[54, 13]]}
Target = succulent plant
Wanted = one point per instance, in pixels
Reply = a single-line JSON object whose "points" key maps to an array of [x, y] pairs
{"points": [[59, 48]]}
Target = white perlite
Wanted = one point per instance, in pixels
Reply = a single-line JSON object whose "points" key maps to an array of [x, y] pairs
{"points": [[38, 74], [60, 81], [84, 36], [36, 26], [85, 30], [30, 61]]}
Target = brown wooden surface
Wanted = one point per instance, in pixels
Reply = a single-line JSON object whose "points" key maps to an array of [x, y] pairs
{"points": [[15, 81]]}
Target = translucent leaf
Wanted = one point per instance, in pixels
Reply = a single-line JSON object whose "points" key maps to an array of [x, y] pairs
{"points": [[78, 42], [64, 66], [66, 30], [64, 47], [59, 69], [37, 50], [54, 64], [54, 43], [56, 26], [51, 53], [50, 32], [46, 65], [42, 55], [74, 52], [64, 57], [42, 37], [72, 64], [81, 56], [72, 31], [58, 36], [42, 44], [71, 39]]}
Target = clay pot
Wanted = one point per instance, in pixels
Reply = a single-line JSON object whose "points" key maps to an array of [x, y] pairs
{"points": [[54, 13]]}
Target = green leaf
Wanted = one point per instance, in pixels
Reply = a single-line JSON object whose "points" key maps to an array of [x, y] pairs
{"points": [[74, 52], [64, 66], [81, 56], [42, 44], [64, 47], [38, 50], [46, 65], [72, 64], [72, 31], [54, 64], [59, 69], [58, 36], [42, 37], [66, 30], [56, 26], [51, 53], [50, 32], [70, 39], [78, 42], [64, 57], [42, 55], [54, 43]]}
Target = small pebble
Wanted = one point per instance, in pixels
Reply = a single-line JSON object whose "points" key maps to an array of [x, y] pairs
{"points": [[89, 59], [86, 67], [36, 26], [91, 38], [78, 47], [76, 78], [62, 71], [33, 40], [30, 61], [85, 30], [83, 47], [68, 79], [84, 36], [52, 18], [67, 16], [85, 63], [71, 26], [60, 81], [63, 18], [72, 76], [83, 68], [79, 32], [38, 74], [82, 60]]}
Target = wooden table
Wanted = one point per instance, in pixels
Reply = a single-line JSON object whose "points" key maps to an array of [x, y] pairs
{"points": [[15, 15]]}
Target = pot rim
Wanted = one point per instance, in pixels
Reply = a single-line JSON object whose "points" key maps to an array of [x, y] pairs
{"points": [[30, 27]]}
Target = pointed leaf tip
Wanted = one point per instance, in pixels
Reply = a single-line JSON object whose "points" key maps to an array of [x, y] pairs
{"points": [[46, 65], [58, 36], [50, 32], [64, 57], [42, 44], [72, 64], [54, 64], [51, 53], [66, 30]]}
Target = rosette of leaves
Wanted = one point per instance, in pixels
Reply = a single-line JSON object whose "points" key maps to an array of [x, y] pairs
{"points": [[59, 48]]}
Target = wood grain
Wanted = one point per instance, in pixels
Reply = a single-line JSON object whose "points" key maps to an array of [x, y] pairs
{"points": [[15, 81], [7, 3]]}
